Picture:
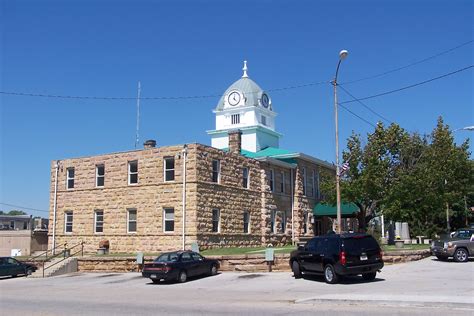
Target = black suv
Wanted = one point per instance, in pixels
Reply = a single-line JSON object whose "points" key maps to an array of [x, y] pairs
{"points": [[337, 255]]}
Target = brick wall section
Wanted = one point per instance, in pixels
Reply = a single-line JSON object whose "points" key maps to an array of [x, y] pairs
{"points": [[151, 195]]}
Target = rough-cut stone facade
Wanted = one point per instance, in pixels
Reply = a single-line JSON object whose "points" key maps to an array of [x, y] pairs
{"points": [[151, 195]]}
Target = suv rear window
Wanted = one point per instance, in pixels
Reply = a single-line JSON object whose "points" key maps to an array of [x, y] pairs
{"points": [[360, 243]]}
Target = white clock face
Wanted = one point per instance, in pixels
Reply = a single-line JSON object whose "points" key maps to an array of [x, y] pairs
{"points": [[265, 100], [234, 98]]}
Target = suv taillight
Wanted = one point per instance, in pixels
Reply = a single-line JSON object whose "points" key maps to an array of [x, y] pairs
{"points": [[342, 257]]}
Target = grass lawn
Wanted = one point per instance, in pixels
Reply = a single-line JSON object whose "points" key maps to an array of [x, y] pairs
{"points": [[245, 251], [405, 247]]}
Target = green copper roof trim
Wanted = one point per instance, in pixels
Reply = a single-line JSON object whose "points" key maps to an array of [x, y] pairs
{"points": [[323, 209], [267, 152]]}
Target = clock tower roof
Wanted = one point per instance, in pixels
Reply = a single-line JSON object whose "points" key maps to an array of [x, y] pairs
{"points": [[251, 91]]}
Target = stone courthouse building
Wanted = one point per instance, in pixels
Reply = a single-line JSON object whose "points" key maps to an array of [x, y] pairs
{"points": [[242, 191]]}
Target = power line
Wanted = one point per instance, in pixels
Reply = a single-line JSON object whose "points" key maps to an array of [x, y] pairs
{"points": [[409, 65], [364, 105], [25, 208], [410, 86], [356, 115], [220, 95]]}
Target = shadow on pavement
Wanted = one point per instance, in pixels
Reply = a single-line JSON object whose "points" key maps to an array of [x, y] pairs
{"points": [[190, 279], [345, 280]]}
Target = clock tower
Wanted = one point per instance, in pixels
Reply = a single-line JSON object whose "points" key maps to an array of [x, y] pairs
{"points": [[248, 108]]}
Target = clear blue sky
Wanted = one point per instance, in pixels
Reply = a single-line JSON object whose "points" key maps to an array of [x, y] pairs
{"points": [[187, 48]]}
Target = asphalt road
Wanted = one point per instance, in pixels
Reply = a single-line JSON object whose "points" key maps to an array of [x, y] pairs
{"points": [[426, 287]]}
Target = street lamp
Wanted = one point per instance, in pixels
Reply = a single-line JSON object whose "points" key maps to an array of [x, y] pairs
{"points": [[342, 55]]}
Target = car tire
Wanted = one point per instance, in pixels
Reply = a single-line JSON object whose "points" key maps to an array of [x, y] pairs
{"points": [[213, 270], [330, 275], [155, 281], [29, 272], [461, 255], [369, 276], [295, 267], [442, 258], [182, 276]]}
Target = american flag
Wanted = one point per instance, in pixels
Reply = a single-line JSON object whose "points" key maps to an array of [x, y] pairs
{"points": [[344, 167]]}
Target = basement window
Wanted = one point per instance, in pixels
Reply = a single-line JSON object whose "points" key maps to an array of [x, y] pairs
{"points": [[169, 169], [133, 172], [69, 178], [168, 220], [68, 222], [99, 175]]}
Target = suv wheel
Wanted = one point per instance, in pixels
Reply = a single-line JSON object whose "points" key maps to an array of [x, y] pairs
{"points": [[461, 255], [369, 276], [330, 275], [295, 266]]}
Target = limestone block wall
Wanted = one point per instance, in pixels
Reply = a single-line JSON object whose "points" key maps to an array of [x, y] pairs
{"points": [[149, 197]]}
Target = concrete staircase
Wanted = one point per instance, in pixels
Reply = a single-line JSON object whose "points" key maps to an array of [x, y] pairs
{"points": [[56, 267]]}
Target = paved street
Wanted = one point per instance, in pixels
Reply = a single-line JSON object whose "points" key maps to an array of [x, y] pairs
{"points": [[426, 287]]}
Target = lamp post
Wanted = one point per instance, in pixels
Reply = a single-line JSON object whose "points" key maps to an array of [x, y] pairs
{"points": [[342, 55]]}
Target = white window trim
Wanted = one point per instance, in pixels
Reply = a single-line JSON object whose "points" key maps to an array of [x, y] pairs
{"points": [[130, 173], [95, 222], [164, 220], [164, 169], [73, 178], [128, 221], [97, 175], [273, 215], [65, 222], [218, 220], [218, 170]]}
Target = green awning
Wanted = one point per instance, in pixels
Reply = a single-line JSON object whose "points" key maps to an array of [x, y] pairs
{"points": [[347, 209]]}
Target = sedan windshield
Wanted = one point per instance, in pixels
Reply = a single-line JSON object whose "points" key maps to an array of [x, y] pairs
{"points": [[167, 257]]}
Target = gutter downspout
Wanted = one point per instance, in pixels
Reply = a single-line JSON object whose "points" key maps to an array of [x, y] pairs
{"points": [[292, 210], [185, 154], [55, 205]]}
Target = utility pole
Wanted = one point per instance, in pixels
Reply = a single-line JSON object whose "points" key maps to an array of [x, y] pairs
{"points": [[138, 114]]}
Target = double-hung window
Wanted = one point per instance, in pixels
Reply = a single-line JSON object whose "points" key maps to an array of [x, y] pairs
{"points": [[99, 175], [305, 222], [68, 222], [283, 222], [310, 184], [133, 172], [245, 174], [316, 185], [282, 183], [169, 169], [98, 221], [131, 221], [70, 178], [271, 179], [216, 214], [168, 220], [216, 171], [246, 222], [304, 181], [273, 222]]}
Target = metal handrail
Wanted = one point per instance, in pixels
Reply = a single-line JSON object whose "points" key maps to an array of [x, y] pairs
{"points": [[45, 254], [66, 253]]}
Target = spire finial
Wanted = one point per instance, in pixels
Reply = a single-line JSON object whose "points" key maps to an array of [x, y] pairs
{"points": [[245, 70]]}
